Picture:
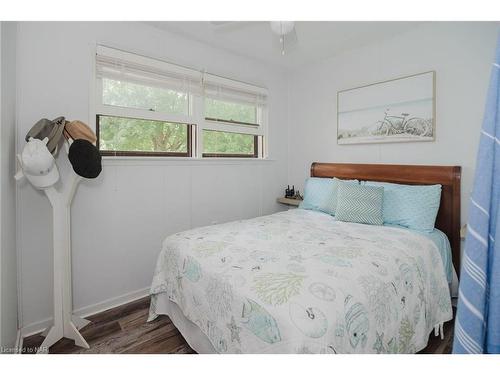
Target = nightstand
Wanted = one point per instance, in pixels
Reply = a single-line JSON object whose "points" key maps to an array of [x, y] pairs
{"points": [[290, 202]]}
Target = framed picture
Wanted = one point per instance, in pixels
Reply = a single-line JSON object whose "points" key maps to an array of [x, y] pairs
{"points": [[399, 110]]}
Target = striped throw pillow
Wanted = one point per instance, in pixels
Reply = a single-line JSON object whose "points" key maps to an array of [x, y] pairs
{"points": [[360, 204]]}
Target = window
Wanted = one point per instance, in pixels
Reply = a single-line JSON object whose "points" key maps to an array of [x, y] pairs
{"points": [[133, 95], [122, 136], [234, 119], [219, 110], [225, 144], [231, 129], [147, 107]]}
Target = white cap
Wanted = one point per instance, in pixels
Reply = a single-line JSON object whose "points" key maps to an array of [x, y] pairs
{"points": [[38, 164]]}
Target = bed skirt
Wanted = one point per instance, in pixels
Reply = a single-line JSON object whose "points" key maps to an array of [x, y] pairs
{"points": [[196, 339]]}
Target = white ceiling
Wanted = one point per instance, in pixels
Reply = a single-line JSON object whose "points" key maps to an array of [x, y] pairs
{"points": [[316, 40]]}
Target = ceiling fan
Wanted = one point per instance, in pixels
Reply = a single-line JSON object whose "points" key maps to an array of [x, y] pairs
{"points": [[285, 31]]}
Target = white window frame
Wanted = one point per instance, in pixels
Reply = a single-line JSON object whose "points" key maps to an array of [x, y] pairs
{"points": [[196, 100], [262, 113]]}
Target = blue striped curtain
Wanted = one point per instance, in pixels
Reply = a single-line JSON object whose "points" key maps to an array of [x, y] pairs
{"points": [[477, 326]]}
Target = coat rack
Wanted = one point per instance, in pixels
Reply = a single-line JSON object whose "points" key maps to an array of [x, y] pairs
{"points": [[65, 323]]}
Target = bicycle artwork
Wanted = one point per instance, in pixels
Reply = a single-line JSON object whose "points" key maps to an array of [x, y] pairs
{"points": [[403, 124], [400, 110]]}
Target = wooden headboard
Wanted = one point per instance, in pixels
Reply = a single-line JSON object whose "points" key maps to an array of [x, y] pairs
{"points": [[448, 218]]}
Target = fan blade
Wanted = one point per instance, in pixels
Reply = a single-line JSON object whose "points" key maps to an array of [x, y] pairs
{"points": [[230, 26], [220, 23]]}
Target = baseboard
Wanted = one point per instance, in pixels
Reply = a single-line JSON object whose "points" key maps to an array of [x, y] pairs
{"points": [[111, 303], [86, 311], [19, 342], [35, 327]]}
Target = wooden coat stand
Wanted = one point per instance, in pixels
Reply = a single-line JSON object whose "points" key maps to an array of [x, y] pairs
{"points": [[65, 323]]}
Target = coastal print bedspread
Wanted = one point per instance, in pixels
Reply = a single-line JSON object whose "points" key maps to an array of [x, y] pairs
{"points": [[301, 282]]}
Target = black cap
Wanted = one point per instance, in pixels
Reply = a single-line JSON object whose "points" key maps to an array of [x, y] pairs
{"points": [[85, 158]]}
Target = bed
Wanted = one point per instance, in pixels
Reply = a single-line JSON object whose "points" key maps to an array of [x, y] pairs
{"points": [[301, 282]]}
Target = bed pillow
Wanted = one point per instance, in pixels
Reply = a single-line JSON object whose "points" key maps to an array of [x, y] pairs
{"points": [[360, 204], [317, 191], [320, 194], [411, 206]]}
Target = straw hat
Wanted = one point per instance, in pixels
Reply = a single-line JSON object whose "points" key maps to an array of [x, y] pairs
{"points": [[79, 130]]}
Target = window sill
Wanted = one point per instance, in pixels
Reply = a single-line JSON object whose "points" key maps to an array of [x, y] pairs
{"points": [[161, 160]]}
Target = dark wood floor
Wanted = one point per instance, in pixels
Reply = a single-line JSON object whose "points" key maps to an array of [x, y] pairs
{"points": [[121, 330], [444, 346], [124, 330]]}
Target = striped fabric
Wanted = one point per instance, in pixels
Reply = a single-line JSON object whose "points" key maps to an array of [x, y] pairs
{"points": [[320, 194], [329, 205], [477, 327], [360, 204]]}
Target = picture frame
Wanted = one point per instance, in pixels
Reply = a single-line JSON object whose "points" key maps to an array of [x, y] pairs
{"points": [[397, 110]]}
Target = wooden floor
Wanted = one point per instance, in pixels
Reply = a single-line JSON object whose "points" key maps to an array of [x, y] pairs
{"points": [[121, 330], [444, 346], [124, 330]]}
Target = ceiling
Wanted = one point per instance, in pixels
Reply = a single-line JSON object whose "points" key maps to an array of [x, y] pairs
{"points": [[316, 40]]}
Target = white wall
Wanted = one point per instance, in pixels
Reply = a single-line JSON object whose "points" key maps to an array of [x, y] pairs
{"points": [[121, 218], [460, 53], [8, 265]]}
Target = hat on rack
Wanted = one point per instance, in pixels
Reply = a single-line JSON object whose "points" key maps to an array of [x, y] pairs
{"points": [[79, 130], [85, 158], [38, 164], [50, 129]]}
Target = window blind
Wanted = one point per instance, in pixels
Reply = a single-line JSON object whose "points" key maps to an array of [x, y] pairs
{"points": [[233, 91], [215, 109], [124, 66]]}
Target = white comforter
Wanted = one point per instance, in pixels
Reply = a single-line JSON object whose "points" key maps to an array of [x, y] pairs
{"points": [[301, 282]]}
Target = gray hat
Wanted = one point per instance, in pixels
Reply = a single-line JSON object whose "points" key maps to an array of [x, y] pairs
{"points": [[51, 129]]}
